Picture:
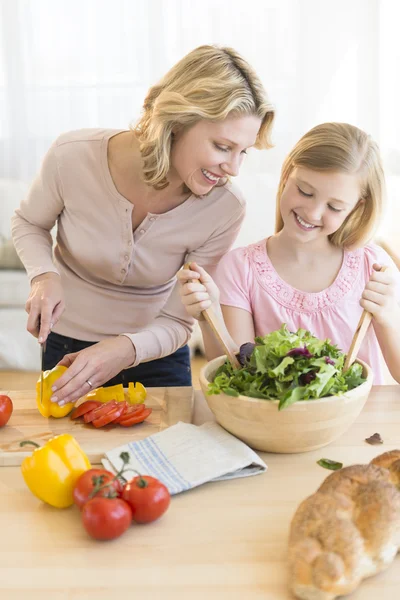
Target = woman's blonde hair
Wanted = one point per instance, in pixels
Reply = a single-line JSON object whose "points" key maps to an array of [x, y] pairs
{"points": [[347, 149], [208, 83]]}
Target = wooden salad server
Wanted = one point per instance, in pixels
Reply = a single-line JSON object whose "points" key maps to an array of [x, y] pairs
{"points": [[220, 332], [359, 335]]}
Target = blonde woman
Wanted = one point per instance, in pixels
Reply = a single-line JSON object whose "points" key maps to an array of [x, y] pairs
{"points": [[319, 270], [131, 207]]}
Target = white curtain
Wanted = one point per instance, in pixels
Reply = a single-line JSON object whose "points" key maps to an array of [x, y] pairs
{"points": [[88, 63]]}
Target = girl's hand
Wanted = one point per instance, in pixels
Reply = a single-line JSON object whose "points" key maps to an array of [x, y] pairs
{"points": [[45, 305], [379, 296], [91, 367], [197, 289]]}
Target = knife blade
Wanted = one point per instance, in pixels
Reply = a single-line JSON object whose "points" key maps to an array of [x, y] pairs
{"points": [[42, 351]]}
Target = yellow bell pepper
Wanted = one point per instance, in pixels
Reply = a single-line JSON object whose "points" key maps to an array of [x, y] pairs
{"points": [[48, 408], [136, 393], [52, 470]]}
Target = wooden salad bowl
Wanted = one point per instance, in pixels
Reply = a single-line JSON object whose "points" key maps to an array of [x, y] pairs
{"points": [[303, 426]]}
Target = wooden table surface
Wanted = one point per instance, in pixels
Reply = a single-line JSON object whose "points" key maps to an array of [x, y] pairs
{"points": [[169, 406], [224, 540]]}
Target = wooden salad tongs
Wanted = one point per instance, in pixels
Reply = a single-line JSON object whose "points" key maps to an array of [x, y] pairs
{"points": [[359, 335], [221, 333]]}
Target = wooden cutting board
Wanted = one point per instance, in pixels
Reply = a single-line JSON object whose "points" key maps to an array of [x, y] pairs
{"points": [[169, 404]]}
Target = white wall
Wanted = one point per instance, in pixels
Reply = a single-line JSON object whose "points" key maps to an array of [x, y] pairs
{"points": [[88, 63]]}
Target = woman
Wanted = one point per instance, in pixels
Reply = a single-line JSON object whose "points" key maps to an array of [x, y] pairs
{"points": [[131, 208]]}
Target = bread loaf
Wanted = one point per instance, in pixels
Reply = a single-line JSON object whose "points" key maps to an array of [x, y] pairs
{"points": [[348, 530]]}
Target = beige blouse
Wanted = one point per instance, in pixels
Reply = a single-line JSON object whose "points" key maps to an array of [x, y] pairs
{"points": [[117, 281]]}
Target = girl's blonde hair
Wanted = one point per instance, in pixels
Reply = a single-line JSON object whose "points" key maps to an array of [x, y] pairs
{"points": [[347, 149], [208, 83]]}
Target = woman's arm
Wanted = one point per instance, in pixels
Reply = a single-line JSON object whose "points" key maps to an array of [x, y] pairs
{"points": [[36, 216], [173, 327], [31, 225]]}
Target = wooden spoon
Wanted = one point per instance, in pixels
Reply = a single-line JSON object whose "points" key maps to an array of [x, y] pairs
{"points": [[359, 335], [221, 333]]}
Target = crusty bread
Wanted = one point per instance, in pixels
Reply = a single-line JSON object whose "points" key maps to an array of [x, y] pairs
{"points": [[348, 530]]}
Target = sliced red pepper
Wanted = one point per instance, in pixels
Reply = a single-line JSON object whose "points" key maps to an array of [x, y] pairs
{"points": [[111, 416], [83, 408], [99, 411], [134, 419]]}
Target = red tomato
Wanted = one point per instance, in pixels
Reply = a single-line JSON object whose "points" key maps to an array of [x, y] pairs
{"points": [[147, 497], [83, 408], [6, 408], [106, 518], [111, 416], [133, 419], [85, 484]]}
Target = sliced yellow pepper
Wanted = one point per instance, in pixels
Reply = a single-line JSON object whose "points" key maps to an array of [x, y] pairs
{"points": [[105, 394], [48, 408], [136, 393], [51, 471]]}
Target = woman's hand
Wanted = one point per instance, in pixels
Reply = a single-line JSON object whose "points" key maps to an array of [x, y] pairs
{"points": [[91, 367], [197, 289], [45, 305], [379, 297]]}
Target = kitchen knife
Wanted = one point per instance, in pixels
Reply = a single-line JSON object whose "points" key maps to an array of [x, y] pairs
{"points": [[42, 351]]}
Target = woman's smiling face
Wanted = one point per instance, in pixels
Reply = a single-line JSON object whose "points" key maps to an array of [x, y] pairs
{"points": [[316, 203], [210, 150]]}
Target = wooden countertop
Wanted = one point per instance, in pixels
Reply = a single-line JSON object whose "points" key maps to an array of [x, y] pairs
{"points": [[224, 540]]}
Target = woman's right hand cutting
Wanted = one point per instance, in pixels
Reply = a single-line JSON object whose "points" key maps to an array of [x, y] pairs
{"points": [[45, 305], [197, 289]]}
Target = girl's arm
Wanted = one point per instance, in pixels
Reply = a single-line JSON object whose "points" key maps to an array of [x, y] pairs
{"points": [[198, 292], [388, 338], [380, 299], [239, 323]]}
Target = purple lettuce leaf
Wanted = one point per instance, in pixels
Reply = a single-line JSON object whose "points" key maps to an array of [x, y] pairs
{"points": [[302, 351], [245, 352], [306, 378]]}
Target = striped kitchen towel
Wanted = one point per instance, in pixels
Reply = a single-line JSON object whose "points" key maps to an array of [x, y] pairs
{"points": [[185, 456]]}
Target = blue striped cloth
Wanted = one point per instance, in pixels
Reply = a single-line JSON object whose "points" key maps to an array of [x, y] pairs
{"points": [[185, 456]]}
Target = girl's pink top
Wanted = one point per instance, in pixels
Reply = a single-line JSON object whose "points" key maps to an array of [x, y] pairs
{"points": [[248, 280]]}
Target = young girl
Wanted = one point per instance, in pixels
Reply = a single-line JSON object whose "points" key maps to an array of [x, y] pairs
{"points": [[318, 271]]}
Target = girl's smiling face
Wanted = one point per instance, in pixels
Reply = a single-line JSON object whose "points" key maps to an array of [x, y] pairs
{"points": [[210, 150], [316, 203]]}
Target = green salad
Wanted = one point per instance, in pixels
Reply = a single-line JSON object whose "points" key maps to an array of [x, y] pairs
{"points": [[287, 367]]}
